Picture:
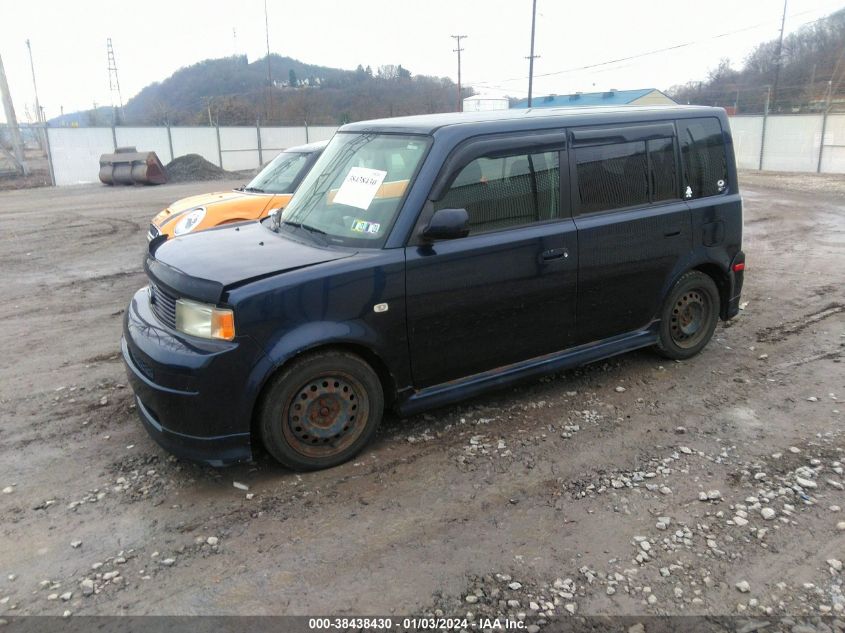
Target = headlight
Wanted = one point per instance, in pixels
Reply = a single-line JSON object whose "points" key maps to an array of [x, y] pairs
{"points": [[207, 321], [189, 221]]}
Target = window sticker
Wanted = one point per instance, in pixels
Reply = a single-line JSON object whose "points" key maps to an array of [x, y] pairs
{"points": [[362, 226], [360, 187]]}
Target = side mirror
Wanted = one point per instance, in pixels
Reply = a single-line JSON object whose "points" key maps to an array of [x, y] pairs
{"points": [[447, 224]]}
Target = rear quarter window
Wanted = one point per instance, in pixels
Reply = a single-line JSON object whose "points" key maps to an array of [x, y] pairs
{"points": [[703, 159]]}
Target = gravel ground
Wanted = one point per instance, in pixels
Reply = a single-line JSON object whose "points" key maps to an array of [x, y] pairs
{"points": [[634, 486]]}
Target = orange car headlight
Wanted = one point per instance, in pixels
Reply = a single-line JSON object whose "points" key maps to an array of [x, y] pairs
{"points": [[204, 320], [189, 221]]}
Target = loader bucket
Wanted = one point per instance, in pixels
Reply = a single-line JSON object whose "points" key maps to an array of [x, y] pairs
{"points": [[127, 166]]}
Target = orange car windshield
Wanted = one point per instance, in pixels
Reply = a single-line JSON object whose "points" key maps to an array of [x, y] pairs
{"points": [[353, 193], [280, 175]]}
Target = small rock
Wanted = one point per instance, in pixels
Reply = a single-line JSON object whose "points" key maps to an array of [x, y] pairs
{"points": [[620, 389], [67, 595], [212, 540], [8, 490], [87, 587], [841, 526], [471, 598], [680, 430], [104, 401], [665, 490], [768, 514], [806, 483], [702, 496], [240, 486], [740, 521], [834, 564], [714, 495], [743, 586], [571, 608], [652, 599], [168, 562], [794, 450], [76, 544], [515, 585]]}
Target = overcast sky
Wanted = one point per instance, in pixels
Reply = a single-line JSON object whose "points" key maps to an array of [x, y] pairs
{"points": [[154, 38]]}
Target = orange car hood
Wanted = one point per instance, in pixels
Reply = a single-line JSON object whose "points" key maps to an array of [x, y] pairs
{"points": [[252, 202]]}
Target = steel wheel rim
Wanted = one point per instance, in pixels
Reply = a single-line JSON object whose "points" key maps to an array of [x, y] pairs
{"points": [[326, 415], [690, 318]]}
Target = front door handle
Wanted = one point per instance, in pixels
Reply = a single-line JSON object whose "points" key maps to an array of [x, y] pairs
{"points": [[554, 253]]}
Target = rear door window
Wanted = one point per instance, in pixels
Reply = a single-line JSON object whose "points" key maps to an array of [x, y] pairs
{"points": [[705, 166], [612, 176], [629, 174], [506, 192]]}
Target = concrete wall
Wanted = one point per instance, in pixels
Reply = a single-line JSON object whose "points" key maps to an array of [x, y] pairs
{"points": [[791, 143], [75, 152]]}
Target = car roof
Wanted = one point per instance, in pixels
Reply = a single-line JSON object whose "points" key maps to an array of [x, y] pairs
{"points": [[317, 146], [527, 118]]}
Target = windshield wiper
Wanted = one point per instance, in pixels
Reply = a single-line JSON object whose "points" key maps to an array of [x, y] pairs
{"points": [[306, 227], [254, 190]]}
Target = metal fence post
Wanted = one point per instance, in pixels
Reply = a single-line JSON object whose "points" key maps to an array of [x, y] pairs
{"points": [[258, 136], [306, 132], [824, 127], [114, 137], [170, 142], [219, 148], [49, 155], [763, 133]]}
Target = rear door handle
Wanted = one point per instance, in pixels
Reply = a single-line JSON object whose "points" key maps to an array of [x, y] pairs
{"points": [[672, 233], [554, 253]]}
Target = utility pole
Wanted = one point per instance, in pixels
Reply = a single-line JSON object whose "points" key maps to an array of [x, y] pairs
{"points": [[458, 50], [269, 70], [778, 58], [12, 121], [114, 84], [532, 55], [34, 85]]}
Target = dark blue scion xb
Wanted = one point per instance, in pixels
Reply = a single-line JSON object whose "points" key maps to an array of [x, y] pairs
{"points": [[427, 259]]}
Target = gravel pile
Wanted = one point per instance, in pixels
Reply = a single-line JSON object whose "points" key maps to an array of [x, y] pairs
{"points": [[192, 167]]}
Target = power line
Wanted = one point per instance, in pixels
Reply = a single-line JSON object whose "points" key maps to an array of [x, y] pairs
{"points": [[648, 53]]}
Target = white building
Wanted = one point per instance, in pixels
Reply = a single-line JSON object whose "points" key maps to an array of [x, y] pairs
{"points": [[484, 103]]}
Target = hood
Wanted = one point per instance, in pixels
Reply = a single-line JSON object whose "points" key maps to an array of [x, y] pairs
{"points": [[228, 255], [202, 200]]}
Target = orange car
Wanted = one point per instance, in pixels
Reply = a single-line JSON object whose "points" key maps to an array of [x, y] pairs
{"points": [[269, 191]]}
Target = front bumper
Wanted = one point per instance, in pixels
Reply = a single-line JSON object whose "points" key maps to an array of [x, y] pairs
{"points": [[192, 395]]}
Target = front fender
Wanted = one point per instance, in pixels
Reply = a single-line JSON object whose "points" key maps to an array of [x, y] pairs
{"points": [[309, 336]]}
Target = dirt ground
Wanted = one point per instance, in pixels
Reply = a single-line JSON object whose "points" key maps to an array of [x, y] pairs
{"points": [[578, 493]]}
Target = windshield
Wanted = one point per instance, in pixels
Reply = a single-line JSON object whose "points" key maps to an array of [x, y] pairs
{"points": [[354, 191], [280, 175]]}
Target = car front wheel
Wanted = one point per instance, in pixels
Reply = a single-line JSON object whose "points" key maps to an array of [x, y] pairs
{"points": [[321, 410]]}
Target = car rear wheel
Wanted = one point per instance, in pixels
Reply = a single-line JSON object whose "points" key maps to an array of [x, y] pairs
{"points": [[689, 316], [321, 410]]}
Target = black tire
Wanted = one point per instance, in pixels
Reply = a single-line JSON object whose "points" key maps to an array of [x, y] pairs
{"points": [[320, 410], [689, 316]]}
